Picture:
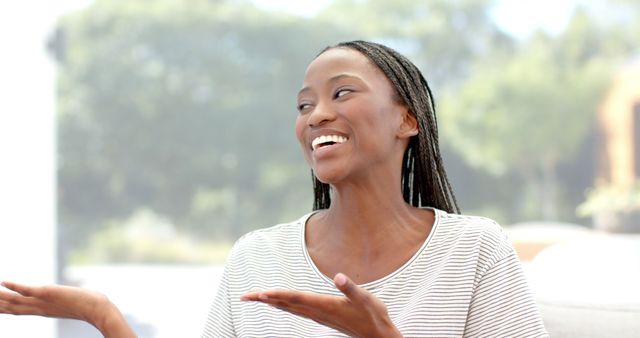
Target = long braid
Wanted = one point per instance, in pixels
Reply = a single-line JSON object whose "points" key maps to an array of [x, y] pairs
{"points": [[424, 180], [321, 192]]}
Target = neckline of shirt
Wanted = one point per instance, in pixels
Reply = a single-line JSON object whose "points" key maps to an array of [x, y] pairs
{"points": [[375, 283]]}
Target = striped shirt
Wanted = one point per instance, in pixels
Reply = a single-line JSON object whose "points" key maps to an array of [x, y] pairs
{"points": [[465, 280]]}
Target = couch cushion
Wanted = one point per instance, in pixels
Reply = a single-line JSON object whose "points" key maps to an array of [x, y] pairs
{"points": [[589, 287]]}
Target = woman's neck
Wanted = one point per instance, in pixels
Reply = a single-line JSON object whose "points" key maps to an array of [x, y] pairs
{"points": [[355, 207], [369, 231]]}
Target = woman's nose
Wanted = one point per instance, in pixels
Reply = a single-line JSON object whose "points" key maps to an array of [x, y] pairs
{"points": [[320, 115]]}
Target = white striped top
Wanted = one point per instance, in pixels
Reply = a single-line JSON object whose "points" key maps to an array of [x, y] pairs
{"points": [[465, 280]]}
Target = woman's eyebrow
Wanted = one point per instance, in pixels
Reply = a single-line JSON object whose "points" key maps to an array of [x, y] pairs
{"points": [[344, 75], [331, 80]]}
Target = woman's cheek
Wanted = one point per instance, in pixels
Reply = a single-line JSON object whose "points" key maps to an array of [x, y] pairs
{"points": [[299, 128], [301, 124]]}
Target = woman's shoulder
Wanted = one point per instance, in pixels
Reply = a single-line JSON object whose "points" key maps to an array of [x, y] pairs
{"points": [[275, 237], [468, 231], [277, 231], [469, 224]]}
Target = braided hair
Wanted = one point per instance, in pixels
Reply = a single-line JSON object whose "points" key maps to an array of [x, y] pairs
{"points": [[424, 180]]}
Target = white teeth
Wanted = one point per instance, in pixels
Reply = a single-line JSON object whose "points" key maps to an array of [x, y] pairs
{"points": [[327, 138]]}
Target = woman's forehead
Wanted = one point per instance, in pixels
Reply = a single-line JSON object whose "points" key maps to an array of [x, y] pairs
{"points": [[340, 60]]}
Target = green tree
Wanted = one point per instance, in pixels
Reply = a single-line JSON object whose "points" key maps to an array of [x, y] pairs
{"points": [[530, 111], [183, 108], [442, 37]]}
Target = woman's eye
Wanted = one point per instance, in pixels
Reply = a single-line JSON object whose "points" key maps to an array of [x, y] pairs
{"points": [[303, 106], [342, 92]]}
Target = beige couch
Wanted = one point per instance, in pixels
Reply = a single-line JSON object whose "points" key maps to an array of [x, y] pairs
{"points": [[588, 284]]}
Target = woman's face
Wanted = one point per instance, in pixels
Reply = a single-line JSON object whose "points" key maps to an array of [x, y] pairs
{"points": [[349, 125]]}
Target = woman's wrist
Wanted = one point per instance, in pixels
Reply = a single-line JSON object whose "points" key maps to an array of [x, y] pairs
{"points": [[110, 321], [385, 330], [392, 333]]}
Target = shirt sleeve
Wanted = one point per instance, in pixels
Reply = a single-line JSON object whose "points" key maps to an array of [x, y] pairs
{"points": [[219, 320], [502, 304]]}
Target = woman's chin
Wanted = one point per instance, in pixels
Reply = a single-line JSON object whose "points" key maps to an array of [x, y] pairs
{"points": [[329, 177]]}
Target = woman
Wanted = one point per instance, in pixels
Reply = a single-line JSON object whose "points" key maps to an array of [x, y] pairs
{"points": [[384, 254]]}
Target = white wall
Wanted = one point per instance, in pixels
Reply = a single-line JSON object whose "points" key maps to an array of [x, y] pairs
{"points": [[27, 143]]}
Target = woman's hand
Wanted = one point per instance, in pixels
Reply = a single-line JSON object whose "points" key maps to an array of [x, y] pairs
{"points": [[357, 314], [65, 302], [52, 301]]}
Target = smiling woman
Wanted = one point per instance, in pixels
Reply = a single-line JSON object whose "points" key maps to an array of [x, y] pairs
{"points": [[384, 252]]}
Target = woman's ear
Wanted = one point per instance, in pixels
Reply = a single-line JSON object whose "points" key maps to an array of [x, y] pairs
{"points": [[409, 125]]}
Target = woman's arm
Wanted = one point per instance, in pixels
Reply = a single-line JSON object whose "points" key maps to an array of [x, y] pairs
{"points": [[59, 301]]}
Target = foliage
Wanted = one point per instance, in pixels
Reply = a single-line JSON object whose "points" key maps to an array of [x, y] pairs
{"points": [[522, 110], [613, 208], [609, 198], [530, 110], [186, 109], [434, 34], [147, 238], [177, 107]]}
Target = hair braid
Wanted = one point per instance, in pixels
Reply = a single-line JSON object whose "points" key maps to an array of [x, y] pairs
{"points": [[424, 180]]}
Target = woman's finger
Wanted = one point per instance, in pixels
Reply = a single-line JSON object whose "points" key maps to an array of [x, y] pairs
{"points": [[10, 298], [17, 309], [309, 300], [6, 297], [13, 303], [350, 289], [19, 288], [298, 300], [277, 301]]}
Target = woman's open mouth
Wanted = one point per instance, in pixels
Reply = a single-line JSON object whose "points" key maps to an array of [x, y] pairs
{"points": [[327, 140]]}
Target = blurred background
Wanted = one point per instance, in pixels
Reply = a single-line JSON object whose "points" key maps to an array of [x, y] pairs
{"points": [[141, 138]]}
